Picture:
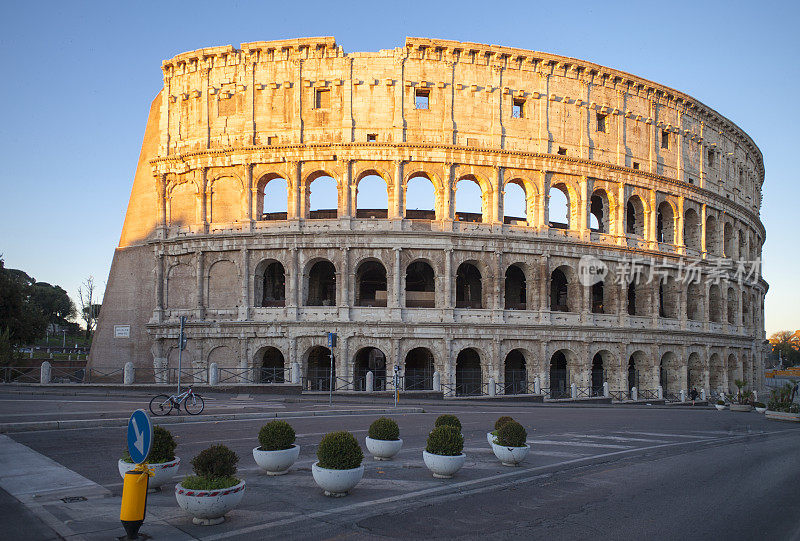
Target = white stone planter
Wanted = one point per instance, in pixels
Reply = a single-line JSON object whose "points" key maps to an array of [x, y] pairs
{"points": [[490, 438], [741, 407], [276, 462], [719, 408], [163, 472], [443, 467], [208, 507], [761, 410], [782, 416], [510, 456], [336, 483], [383, 449]]}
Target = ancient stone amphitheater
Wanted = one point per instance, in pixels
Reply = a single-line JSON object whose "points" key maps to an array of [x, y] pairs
{"points": [[659, 189]]}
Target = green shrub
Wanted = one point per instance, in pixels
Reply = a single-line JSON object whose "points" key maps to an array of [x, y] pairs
{"points": [[501, 421], [720, 402], [215, 462], [339, 451], [384, 429], [162, 449], [759, 405], [276, 436], [445, 440], [448, 420], [193, 482], [512, 434]]}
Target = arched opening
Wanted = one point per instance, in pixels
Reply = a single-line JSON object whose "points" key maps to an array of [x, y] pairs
{"points": [[372, 197], [733, 306], [270, 284], [420, 285], [714, 304], [323, 198], [729, 241], [181, 284], [373, 360], [558, 208], [633, 373], [634, 216], [598, 306], [469, 202], [321, 284], [638, 298], [599, 214], [272, 198], [418, 374], [468, 287], [515, 289], [515, 376], [559, 377], [559, 291], [469, 380], [598, 374], [271, 367], [665, 223], [318, 369], [711, 235], [371, 284], [691, 230], [182, 204], [515, 203], [694, 302], [668, 298], [742, 253], [420, 200], [747, 315]]}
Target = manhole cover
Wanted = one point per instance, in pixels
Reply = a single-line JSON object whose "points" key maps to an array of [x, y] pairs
{"points": [[73, 499]]}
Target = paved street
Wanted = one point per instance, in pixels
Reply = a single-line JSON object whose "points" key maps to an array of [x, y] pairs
{"points": [[593, 472]]}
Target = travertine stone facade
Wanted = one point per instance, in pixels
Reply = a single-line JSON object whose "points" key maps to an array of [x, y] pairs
{"points": [[646, 171]]}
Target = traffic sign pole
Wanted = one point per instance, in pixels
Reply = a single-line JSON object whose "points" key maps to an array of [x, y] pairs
{"points": [[137, 481]]}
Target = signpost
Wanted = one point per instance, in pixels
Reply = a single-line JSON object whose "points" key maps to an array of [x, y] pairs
{"points": [[134, 487], [331, 345]]}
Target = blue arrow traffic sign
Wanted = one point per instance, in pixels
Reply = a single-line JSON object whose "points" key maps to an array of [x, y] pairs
{"points": [[140, 436]]}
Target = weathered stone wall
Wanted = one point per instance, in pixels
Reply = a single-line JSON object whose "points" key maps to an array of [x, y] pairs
{"points": [[666, 176]]}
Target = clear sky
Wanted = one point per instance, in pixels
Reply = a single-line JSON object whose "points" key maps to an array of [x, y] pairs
{"points": [[78, 79]]}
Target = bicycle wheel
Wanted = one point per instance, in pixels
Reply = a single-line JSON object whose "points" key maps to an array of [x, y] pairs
{"points": [[194, 404], [160, 405]]}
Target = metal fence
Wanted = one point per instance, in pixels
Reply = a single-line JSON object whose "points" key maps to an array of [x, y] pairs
{"points": [[20, 374], [101, 374], [647, 394]]}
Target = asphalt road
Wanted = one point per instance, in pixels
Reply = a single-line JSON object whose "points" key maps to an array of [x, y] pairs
{"points": [[604, 472]]}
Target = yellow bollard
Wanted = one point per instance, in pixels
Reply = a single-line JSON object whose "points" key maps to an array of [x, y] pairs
{"points": [[134, 500]]}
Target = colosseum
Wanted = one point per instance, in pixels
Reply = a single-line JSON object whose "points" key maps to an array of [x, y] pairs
{"points": [[631, 262]]}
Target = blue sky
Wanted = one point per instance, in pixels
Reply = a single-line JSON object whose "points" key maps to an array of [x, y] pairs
{"points": [[78, 78]]}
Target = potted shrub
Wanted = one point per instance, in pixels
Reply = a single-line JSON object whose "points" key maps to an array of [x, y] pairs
{"points": [[277, 451], [444, 454], [162, 459], [509, 447], [720, 405], [213, 490], [781, 404], [490, 436], [383, 439], [743, 398], [338, 468], [760, 407], [447, 420]]}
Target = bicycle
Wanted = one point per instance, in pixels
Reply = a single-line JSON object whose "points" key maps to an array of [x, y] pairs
{"points": [[163, 404]]}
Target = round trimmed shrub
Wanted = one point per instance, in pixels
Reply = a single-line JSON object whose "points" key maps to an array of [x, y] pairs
{"points": [[501, 421], [445, 440], [215, 462], [339, 451], [163, 447], [447, 420], [384, 429], [276, 436], [512, 434]]}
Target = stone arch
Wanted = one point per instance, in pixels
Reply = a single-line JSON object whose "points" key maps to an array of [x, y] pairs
{"points": [[638, 294], [223, 285], [371, 283], [270, 365], [464, 215], [694, 301], [562, 205], [318, 369], [691, 230], [668, 297], [672, 378], [696, 372], [369, 359], [715, 304], [469, 286], [413, 197], [742, 249], [320, 280], [515, 290], [312, 209], [734, 372], [224, 356], [419, 365], [600, 219], [564, 294], [420, 284], [637, 369], [181, 287], [603, 362], [225, 199], [516, 208], [728, 240], [561, 361], [732, 305], [469, 374], [376, 185], [181, 203], [635, 211], [515, 376], [712, 237], [665, 223], [747, 310], [272, 197], [269, 284], [716, 373]]}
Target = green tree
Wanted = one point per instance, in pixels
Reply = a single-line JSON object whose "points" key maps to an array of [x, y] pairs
{"points": [[787, 345], [53, 302], [18, 313]]}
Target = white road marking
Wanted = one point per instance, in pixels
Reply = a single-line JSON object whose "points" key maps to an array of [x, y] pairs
{"points": [[579, 444]]}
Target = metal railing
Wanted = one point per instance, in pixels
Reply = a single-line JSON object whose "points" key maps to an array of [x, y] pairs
{"points": [[268, 374], [619, 395], [102, 374], [647, 394], [62, 374], [320, 380], [585, 392], [236, 374], [20, 374]]}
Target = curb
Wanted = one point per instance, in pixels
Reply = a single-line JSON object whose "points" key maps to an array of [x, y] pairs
{"points": [[7, 428]]}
